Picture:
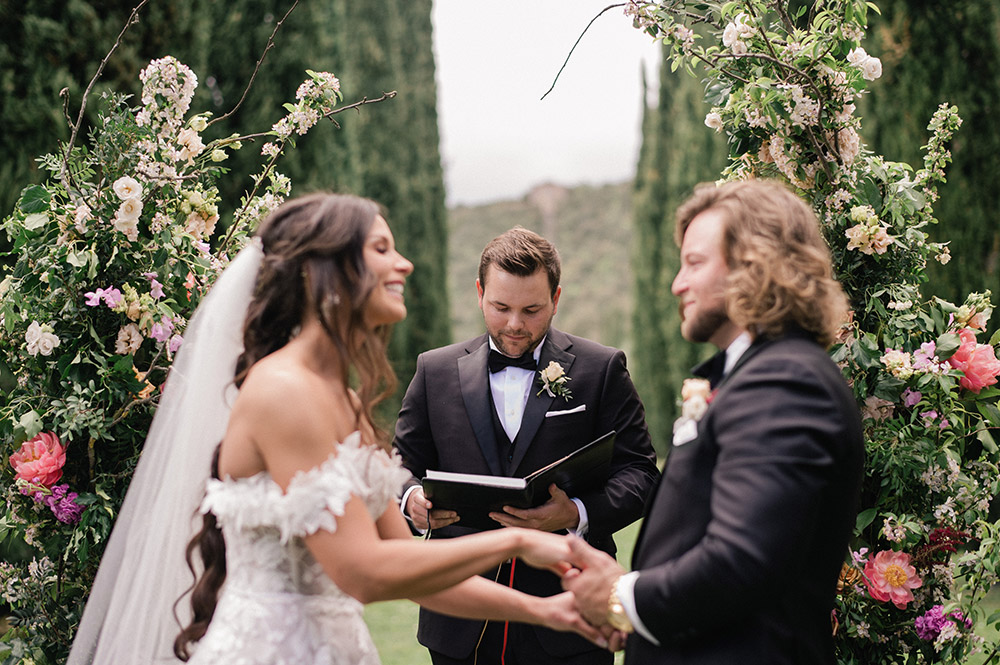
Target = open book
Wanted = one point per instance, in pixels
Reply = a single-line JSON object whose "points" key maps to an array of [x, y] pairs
{"points": [[475, 496]]}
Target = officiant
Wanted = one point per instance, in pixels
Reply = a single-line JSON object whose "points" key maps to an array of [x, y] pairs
{"points": [[506, 403]]}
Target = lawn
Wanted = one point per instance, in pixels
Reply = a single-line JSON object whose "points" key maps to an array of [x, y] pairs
{"points": [[394, 624]]}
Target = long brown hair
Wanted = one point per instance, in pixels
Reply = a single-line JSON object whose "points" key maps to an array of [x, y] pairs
{"points": [[313, 260], [780, 272]]}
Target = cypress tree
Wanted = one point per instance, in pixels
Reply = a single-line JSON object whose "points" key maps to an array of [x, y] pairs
{"points": [[932, 53], [388, 46], [677, 153]]}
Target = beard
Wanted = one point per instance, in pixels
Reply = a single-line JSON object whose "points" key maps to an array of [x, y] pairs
{"points": [[701, 327]]}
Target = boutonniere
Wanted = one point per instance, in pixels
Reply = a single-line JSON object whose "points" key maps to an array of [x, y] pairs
{"points": [[696, 395], [554, 380]]}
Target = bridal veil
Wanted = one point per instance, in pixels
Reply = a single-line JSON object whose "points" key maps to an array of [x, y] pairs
{"points": [[129, 617]]}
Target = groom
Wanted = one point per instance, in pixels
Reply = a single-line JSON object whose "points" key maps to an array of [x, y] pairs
{"points": [[480, 407], [743, 540]]}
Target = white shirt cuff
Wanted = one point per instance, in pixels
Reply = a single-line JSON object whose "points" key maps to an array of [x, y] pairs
{"points": [[626, 596], [584, 526], [402, 509]]}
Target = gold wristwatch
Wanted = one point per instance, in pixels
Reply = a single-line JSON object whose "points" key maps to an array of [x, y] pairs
{"points": [[617, 618]]}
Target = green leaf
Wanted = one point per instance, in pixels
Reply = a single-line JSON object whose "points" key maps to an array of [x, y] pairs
{"points": [[995, 339], [946, 345], [36, 221], [986, 439], [865, 518], [31, 423], [990, 412], [34, 199]]}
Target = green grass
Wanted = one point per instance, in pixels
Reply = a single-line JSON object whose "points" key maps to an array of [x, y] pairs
{"points": [[394, 624]]}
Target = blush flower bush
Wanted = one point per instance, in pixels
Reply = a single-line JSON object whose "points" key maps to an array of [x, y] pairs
{"points": [[783, 80], [110, 258]]}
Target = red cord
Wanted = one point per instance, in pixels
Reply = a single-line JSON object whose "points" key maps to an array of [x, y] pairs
{"points": [[506, 624]]}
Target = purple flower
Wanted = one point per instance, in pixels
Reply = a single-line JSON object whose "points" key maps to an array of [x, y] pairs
{"points": [[155, 289], [61, 502], [925, 357], [930, 624], [911, 397], [162, 330], [94, 297], [929, 417], [112, 297], [175, 343]]}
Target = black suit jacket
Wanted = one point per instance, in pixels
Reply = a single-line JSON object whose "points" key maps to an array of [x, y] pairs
{"points": [[446, 423], [744, 538]]}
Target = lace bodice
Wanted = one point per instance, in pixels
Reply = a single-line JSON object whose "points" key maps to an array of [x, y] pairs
{"points": [[277, 606]]}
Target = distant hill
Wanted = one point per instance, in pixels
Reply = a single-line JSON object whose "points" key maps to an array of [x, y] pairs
{"points": [[592, 229]]}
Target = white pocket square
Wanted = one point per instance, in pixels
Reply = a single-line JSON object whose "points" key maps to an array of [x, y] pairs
{"points": [[686, 431], [566, 412]]}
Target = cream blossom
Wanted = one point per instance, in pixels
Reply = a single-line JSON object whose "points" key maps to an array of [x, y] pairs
{"points": [[129, 210], [128, 226], [41, 339], [730, 35], [192, 145], [199, 123], [127, 188], [714, 121], [857, 56], [871, 68], [129, 339], [739, 47]]}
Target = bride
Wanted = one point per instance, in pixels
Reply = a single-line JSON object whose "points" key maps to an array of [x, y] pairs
{"points": [[300, 522]]}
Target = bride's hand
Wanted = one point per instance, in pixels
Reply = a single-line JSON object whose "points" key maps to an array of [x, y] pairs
{"points": [[548, 551], [559, 613]]}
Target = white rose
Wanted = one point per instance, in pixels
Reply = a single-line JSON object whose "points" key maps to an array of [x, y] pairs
{"points": [[694, 408], [46, 343], [742, 22], [730, 35], [714, 121], [130, 209], [553, 372], [34, 332], [129, 227], [127, 188], [857, 57], [739, 47], [129, 339], [871, 68]]}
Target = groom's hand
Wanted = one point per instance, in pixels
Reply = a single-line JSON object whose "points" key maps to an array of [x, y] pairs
{"points": [[556, 514], [591, 580], [421, 511]]}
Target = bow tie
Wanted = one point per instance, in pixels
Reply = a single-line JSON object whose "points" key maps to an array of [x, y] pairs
{"points": [[498, 361]]}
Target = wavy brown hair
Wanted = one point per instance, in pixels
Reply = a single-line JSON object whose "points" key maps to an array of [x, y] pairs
{"points": [[313, 262], [781, 274]]}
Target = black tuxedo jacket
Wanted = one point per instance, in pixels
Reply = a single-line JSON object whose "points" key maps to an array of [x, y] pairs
{"points": [[744, 537], [446, 423]]}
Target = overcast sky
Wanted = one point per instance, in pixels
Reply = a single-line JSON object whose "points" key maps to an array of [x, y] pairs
{"points": [[495, 60]]}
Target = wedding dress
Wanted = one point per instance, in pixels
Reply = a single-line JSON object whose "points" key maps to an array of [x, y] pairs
{"points": [[277, 606]]}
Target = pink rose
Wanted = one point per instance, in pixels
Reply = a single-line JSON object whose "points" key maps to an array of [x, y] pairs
{"points": [[977, 361], [889, 576], [40, 460]]}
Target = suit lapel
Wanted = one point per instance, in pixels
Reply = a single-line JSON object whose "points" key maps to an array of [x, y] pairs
{"points": [[556, 348], [475, 387]]}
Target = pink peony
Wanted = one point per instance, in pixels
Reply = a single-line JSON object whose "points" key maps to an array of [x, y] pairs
{"points": [[40, 460], [977, 361], [889, 576]]}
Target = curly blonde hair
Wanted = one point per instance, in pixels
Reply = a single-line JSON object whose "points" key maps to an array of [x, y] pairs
{"points": [[780, 272]]}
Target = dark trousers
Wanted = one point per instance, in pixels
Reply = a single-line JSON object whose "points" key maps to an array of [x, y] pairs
{"points": [[523, 648]]}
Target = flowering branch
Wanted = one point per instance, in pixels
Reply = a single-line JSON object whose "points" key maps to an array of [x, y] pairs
{"points": [[253, 77], [65, 176]]}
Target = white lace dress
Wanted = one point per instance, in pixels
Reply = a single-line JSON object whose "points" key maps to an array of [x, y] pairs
{"points": [[277, 607]]}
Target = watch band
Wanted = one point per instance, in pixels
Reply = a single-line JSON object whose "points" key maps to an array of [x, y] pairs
{"points": [[617, 618]]}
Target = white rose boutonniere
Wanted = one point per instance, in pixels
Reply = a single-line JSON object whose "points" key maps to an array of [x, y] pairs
{"points": [[696, 395], [554, 380]]}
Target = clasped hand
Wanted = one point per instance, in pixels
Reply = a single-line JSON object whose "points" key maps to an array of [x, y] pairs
{"points": [[588, 574]]}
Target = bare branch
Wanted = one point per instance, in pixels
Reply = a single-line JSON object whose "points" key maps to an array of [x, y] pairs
{"points": [[570, 54], [267, 47], [65, 175]]}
